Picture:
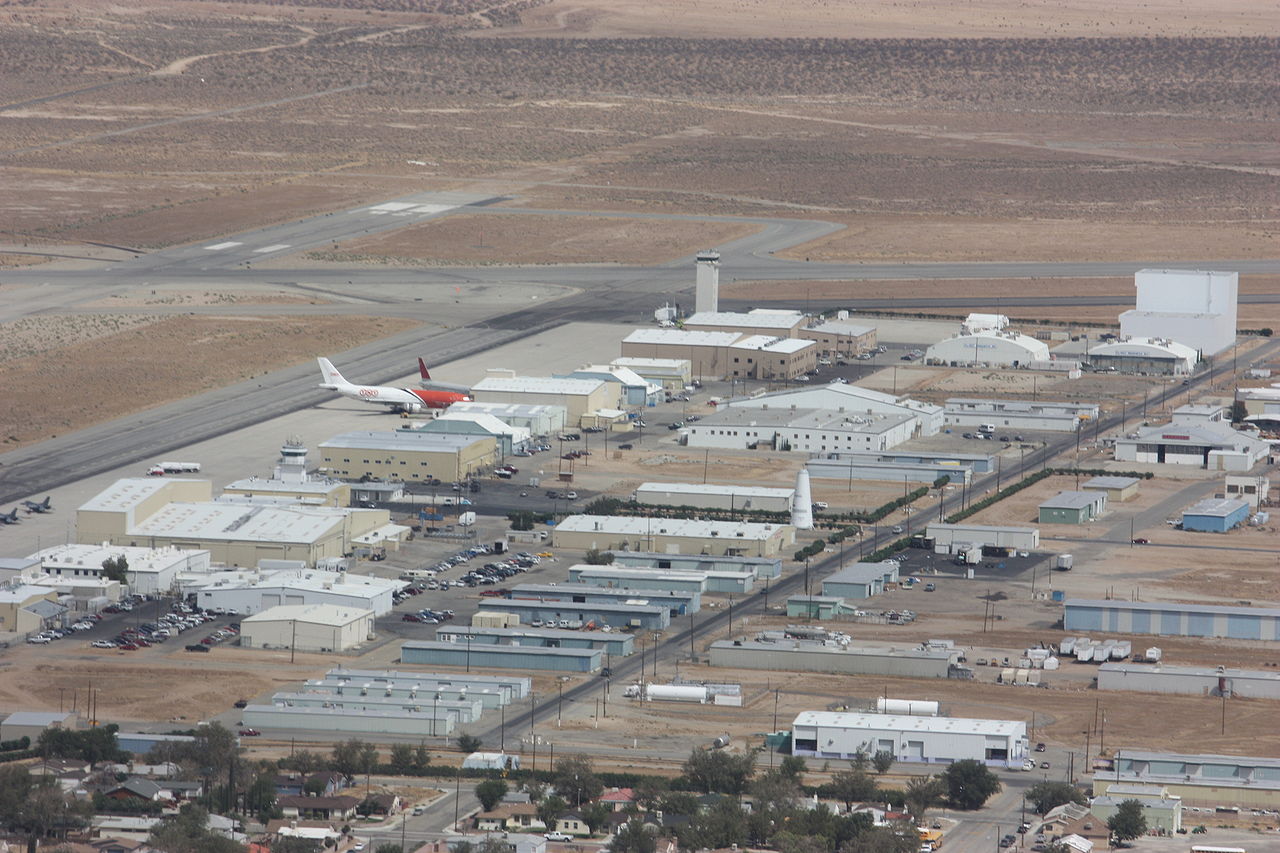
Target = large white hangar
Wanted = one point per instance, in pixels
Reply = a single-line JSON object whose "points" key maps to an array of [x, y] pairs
{"points": [[932, 740], [1196, 307], [988, 346]]}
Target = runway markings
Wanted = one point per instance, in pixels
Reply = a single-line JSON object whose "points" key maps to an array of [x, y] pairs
{"points": [[391, 207], [275, 247], [217, 247], [403, 208]]}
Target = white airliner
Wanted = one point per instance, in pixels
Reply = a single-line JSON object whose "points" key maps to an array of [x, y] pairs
{"points": [[406, 400]]}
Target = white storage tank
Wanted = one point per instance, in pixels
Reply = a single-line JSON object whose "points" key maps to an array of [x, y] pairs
{"points": [[910, 707], [670, 693]]}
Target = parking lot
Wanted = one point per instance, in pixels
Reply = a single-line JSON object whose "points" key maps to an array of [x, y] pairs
{"points": [[141, 624]]}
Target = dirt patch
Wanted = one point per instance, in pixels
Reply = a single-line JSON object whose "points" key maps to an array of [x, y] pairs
{"points": [[482, 239], [158, 361], [242, 295]]}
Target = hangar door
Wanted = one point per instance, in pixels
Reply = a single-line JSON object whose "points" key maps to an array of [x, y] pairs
{"points": [[997, 749], [914, 751]]}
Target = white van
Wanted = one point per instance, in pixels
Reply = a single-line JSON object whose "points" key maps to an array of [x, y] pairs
{"points": [[987, 428]]}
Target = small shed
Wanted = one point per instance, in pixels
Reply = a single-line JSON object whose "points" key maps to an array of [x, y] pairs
{"points": [[1117, 488], [1072, 507], [815, 606], [1215, 515]]}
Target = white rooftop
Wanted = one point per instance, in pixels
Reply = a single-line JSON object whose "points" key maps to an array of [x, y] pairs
{"points": [[652, 363], [1217, 507], [904, 723], [312, 614], [127, 492], [621, 373], [756, 319], [839, 327], [645, 526], [537, 385], [241, 522], [410, 440], [20, 594], [764, 343], [489, 422], [681, 337], [141, 560], [501, 410], [314, 580]]}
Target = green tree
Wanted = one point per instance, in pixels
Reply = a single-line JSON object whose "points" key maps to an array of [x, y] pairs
{"points": [[15, 785], [401, 759], [260, 796], [861, 759], [882, 761], [793, 767], [354, 756], [719, 770], [923, 793], [852, 786], [678, 802], [596, 557], [47, 811], [1128, 822], [188, 832], [595, 816], [216, 747], [115, 569], [633, 837], [550, 809], [901, 837], [1239, 411], [92, 745], [469, 743], [969, 783], [490, 792], [314, 785], [723, 825], [1045, 796], [576, 781], [385, 847], [295, 845]]}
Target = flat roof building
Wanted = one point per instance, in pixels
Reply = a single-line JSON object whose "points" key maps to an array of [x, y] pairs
{"points": [[630, 388], [32, 724], [509, 438], [844, 398], [515, 686], [408, 455], [252, 591], [932, 740], [1189, 680], [1015, 415], [1072, 507], [638, 533], [353, 721], [706, 352], [1254, 490], [673, 374], [492, 656], [650, 617], [1117, 488], [803, 656], [771, 358], [1202, 780], [1171, 619], [623, 577], [1215, 515], [577, 396], [800, 430], [611, 643], [784, 324], [1194, 307], [151, 570], [860, 580], [836, 337], [715, 496], [679, 602], [995, 536], [537, 419], [308, 628], [761, 567]]}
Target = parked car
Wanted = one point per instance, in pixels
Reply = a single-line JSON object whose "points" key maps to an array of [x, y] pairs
{"points": [[197, 648], [103, 644], [242, 703], [624, 447], [1040, 747], [39, 640], [249, 733], [558, 836]]}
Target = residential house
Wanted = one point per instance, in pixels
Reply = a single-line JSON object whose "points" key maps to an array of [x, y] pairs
{"points": [[1074, 819], [339, 807], [385, 804], [136, 790], [294, 784], [106, 845], [316, 830], [618, 799], [572, 823], [511, 817]]}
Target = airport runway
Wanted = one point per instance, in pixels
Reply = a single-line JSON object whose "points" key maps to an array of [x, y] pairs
{"points": [[592, 293]]}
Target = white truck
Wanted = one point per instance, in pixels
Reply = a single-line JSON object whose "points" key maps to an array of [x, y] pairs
{"points": [[173, 468]]}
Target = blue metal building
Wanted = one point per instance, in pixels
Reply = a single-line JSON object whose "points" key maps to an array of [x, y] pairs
{"points": [[491, 656], [1171, 619], [647, 617], [1215, 515], [680, 602]]}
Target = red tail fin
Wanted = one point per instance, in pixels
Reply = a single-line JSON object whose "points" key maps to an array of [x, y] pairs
{"points": [[422, 368]]}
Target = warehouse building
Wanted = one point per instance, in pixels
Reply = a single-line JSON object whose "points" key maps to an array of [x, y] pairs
{"points": [[447, 714], [650, 617], [1195, 307], [613, 643], [988, 347], [840, 338], [800, 430], [843, 398], [680, 602], [253, 591], [160, 512], [151, 570], [706, 352], [715, 496], [1172, 619], [291, 479], [1145, 356], [32, 724], [932, 740], [802, 606], [951, 536], [1197, 436], [347, 721], [1189, 680], [674, 535], [1019, 414], [492, 656], [771, 358], [408, 455], [861, 580], [462, 699], [620, 577], [629, 387], [508, 439], [848, 467], [673, 374], [513, 686], [1117, 488], [761, 567], [537, 419], [577, 396], [759, 321], [1233, 781], [980, 463], [1215, 515], [307, 628], [26, 608], [804, 656], [1071, 507]]}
